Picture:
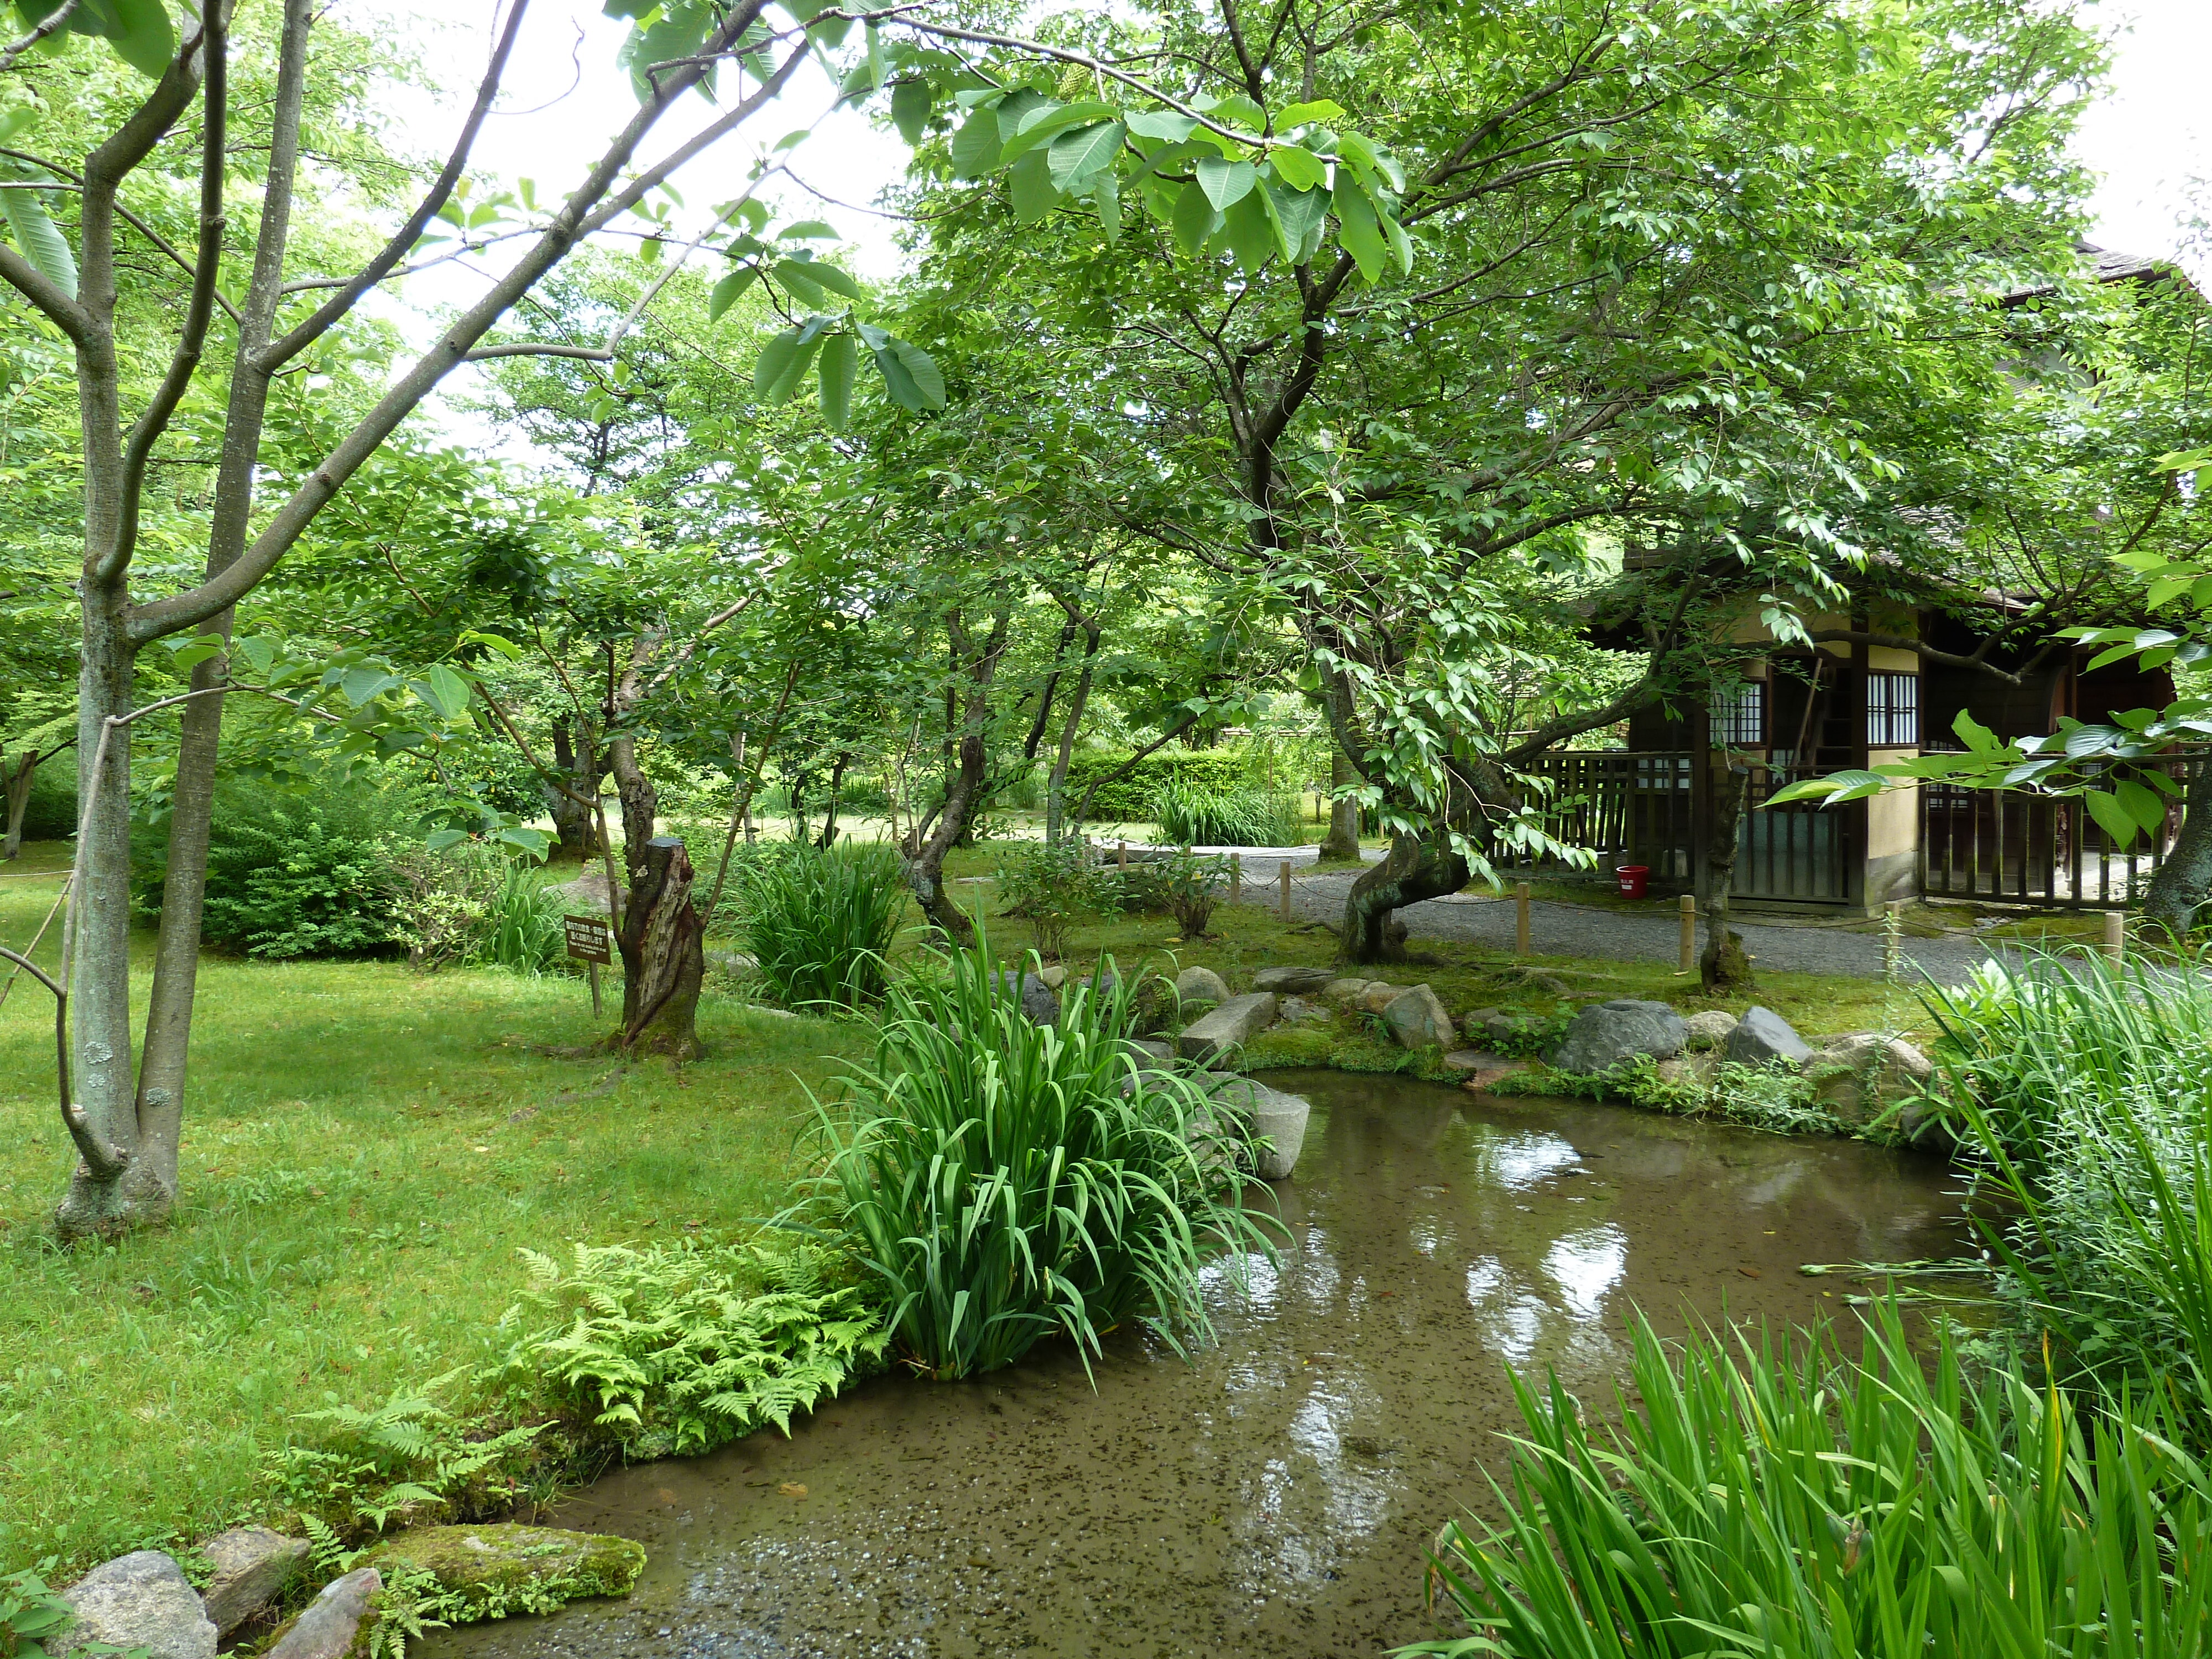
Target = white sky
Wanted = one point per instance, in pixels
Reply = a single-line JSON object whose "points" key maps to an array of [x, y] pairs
{"points": [[2148, 139]]}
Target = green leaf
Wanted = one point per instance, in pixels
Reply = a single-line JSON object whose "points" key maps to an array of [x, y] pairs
{"points": [[1302, 214], [1225, 182], [448, 691], [1039, 127], [40, 239], [1298, 115], [538, 842], [827, 31], [1298, 168], [1161, 123], [143, 37], [732, 288], [1016, 107], [841, 364], [439, 840], [1357, 228], [2114, 819], [1078, 153], [1106, 192], [911, 375], [782, 364], [1030, 183], [976, 146], [1196, 220], [2145, 806], [911, 103], [809, 230], [811, 280], [1251, 231], [256, 651], [186, 658], [506, 647], [363, 686]]}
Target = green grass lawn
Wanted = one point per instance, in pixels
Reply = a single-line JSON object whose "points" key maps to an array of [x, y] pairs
{"points": [[366, 1151]]}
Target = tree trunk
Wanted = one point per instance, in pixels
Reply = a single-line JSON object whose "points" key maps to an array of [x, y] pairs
{"points": [[575, 761], [836, 786], [1055, 787], [18, 801], [1343, 839], [1415, 868], [2184, 882], [1724, 967], [968, 758], [664, 963]]}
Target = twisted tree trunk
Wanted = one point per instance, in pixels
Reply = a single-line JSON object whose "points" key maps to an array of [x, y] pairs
{"points": [[2184, 882], [1724, 967], [661, 939], [1414, 869]]}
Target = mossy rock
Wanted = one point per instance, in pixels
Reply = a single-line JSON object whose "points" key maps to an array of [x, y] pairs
{"points": [[462, 1575]]}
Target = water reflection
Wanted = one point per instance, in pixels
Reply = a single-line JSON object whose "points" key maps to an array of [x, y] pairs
{"points": [[1277, 1495]]}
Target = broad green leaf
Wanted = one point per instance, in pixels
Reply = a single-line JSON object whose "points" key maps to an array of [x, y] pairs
{"points": [[143, 38], [823, 277], [363, 685], [1195, 219], [976, 146], [255, 650], [727, 292], [1298, 115], [439, 840], [1300, 169], [2145, 806], [1224, 182], [1040, 125], [506, 647], [841, 364], [1401, 245], [1030, 183], [910, 375], [186, 658], [1357, 228], [911, 103], [1234, 109], [1080, 152], [828, 31], [538, 842], [1106, 192], [1015, 108], [1302, 214], [1251, 231], [809, 230], [782, 364], [1161, 123], [798, 278], [40, 239], [2112, 818], [449, 692]]}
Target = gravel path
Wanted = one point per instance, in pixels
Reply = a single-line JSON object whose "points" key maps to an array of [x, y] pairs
{"points": [[1574, 930]]}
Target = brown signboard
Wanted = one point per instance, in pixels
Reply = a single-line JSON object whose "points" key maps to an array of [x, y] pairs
{"points": [[588, 939]]}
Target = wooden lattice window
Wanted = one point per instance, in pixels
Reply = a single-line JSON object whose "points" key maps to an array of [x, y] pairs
{"points": [[1892, 710], [1739, 715]]}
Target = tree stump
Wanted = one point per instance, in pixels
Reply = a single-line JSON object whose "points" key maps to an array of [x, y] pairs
{"points": [[663, 959]]}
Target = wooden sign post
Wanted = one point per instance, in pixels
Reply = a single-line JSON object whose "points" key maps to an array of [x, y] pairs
{"points": [[591, 943]]}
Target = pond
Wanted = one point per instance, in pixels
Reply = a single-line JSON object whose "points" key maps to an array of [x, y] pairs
{"points": [[1276, 1497]]}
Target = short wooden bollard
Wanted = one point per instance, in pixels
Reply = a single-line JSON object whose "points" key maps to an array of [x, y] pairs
{"points": [[1689, 932], [1235, 879], [1521, 918], [1122, 855], [2116, 937], [1286, 890]]}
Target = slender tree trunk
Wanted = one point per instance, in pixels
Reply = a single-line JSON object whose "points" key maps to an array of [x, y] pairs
{"points": [[1343, 838], [1414, 869], [969, 756], [836, 786], [660, 938], [18, 801], [1063, 756], [2184, 882], [1724, 967], [574, 757]]}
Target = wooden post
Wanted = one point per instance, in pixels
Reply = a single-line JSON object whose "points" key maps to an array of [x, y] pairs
{"points": [[1689, 933], [592, 973], [2116, 937], [1235, 879], [1286, 891], [1122, 855], [1521, 918]]}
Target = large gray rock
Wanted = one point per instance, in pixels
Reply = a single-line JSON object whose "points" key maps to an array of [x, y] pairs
{"points": [[253, 1564], [1040, 1002], [1270, 1115], [1298, 1011], [1417, 1019], [1861, 1074], [1201, 985], [139, 1601], [1763, 1036], [1608, 1034], [1345, 990], [1232, 1025], [1379, 995], [326, 1630], [1292, 979], [1710, 1029]]}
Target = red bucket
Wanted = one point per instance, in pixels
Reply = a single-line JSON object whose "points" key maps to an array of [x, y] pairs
{"points": [[1632, 877]]}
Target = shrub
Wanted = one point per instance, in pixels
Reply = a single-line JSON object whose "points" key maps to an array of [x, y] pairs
{"points": [[1000, 1180], [476, 905], [819, 921], [523, 931], [296, 875], [671, 1351], [1193, 886], [1784, 1500], [1195, 814], [1131, 797], [1054, 887]]}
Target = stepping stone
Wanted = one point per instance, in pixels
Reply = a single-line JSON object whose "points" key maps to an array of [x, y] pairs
{"points": [[1477, 1059], [1232, 1025], [1270, 1115], [1201, 985]]}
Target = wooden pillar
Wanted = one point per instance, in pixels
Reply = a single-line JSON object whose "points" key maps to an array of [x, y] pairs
{"points": [[1286, 891], [1521, 930]]}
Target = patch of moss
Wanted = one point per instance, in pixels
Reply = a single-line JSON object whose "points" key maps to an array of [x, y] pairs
{"points": [[464, 1574]]}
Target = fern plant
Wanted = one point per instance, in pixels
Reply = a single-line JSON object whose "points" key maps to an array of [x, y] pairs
{"points": [[673, 1351], [408, 1455]]}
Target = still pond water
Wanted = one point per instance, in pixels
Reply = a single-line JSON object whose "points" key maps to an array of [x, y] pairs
{"points": [[1277, 1496]]}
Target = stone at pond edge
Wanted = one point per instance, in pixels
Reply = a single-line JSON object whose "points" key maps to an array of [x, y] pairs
{"points": [[1040, 1003], [504, 1569], [1379, 995], [1269, 1115], [139, 1601], [1860, 1074], [328, 1628], [1417, 1019], [253, 1564], [1710, 1029], [1296, 1011], [1605, 1036], [1201, 985], [1292, 979], [1762, 1035], [1234, 1023]]}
